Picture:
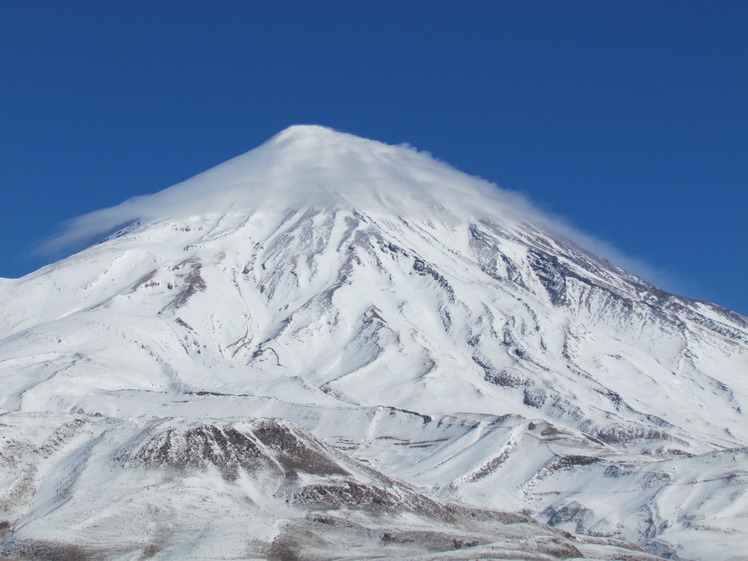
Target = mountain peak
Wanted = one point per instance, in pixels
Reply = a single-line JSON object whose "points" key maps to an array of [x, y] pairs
{"points": [[304, 166], [314, 132], [318, 146]]}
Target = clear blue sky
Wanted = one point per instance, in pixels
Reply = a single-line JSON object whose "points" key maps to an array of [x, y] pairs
{"points": [[629, 119]]}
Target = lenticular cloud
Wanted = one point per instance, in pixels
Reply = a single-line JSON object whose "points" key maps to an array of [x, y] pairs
{"points": [[306, 166], [309, 165]]}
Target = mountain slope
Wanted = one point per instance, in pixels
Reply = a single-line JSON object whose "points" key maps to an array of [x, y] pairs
{"points": [[245, 489], [415, 318]]}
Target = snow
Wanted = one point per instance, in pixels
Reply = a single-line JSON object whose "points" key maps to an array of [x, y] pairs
{"points": [[420, 320]]}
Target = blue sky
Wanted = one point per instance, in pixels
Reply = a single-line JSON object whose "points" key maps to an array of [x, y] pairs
{"points": [[628, 119]]}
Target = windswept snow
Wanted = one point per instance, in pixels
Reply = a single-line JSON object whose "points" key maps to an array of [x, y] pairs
{"points": [[417, 322]]}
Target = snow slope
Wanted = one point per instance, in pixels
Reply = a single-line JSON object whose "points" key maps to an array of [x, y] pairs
{"points": [[418, 320]]}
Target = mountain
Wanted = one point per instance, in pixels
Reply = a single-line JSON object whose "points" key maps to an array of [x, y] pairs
{"points": [[330, 347]]}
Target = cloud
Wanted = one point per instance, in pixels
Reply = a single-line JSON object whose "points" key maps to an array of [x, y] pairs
{"points": [[315, 166]]}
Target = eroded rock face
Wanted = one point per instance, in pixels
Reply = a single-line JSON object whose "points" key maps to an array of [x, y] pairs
{"points": [[259, 446]]}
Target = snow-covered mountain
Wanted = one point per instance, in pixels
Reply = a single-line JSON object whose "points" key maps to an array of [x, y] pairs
{"points": [[330, 343]]}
